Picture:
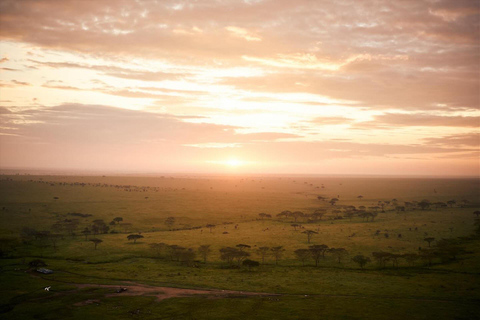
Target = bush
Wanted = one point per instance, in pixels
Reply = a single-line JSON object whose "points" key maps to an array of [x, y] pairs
{"points": [[37, 263], [251, 263]]}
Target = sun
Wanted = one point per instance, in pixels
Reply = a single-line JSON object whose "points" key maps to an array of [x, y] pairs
{"points": [[234, 162]]}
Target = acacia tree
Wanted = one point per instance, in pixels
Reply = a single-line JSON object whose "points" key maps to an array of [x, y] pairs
{"points": [[424, 204], [349, 215], [96, 241], [159, 248], [277, 253], [427, 255], [309, 234], [187, 256], [317, 252], [210, 226], [204, 251], [338, 253], [295, 226], [263, 252], [302, 255], [230, 254], [381, 257], [411, 258], [285, 214], [86, 232], [169, 222], [134, 237], [361, 260], [99, 226], [118, 219], [449, 249], [297, 214], [242, 246], [318, 214], [54, 239], [451, 203], [333, 201], [175, 251], [429, 240]]}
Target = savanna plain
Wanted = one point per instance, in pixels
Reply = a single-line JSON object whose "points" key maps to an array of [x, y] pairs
{"points": [[238, 247]]}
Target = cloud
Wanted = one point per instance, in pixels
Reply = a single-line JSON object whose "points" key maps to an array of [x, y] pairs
{"points": [[75, 123], [242, 33], [14, 83], [466, 139], [114, 71], [394, 120], [330, 120]]}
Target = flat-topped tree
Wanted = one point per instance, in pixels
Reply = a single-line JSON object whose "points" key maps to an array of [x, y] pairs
{"points": [[411, 258], [134, 237], [242, 246], [118, 219], [169, 222], [318, 214], [427, 255], [361, 260], [204, 251], [338, 253], [230, 254], [96, 241], [187, 256], [302, 255], [333, 201], [263, 252], [99, 226], [317, 251], [349, 215], [284, 214], [54, 238], [295, 226], [382, 257], [429, 240], [210, 226], [424, 204], [296, 215], [159, 248], [309, 234], [451, 203], [277, 253]]}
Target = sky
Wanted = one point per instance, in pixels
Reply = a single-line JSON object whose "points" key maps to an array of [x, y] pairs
{"points": [[254, 86]]}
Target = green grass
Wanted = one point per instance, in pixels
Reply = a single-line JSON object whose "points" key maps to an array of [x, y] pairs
{"points": [[446, 290]]}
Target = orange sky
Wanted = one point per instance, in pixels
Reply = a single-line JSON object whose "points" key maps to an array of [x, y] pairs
{"points": [[311, 87]]}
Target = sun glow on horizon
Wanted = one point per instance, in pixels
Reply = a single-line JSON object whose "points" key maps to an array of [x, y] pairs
{"points": [[232, 162]]}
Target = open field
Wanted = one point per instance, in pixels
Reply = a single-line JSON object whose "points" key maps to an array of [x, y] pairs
{"points": [[442, 282]]}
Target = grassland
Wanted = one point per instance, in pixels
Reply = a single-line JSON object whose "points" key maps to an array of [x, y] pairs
{"points": [[445, 289]]}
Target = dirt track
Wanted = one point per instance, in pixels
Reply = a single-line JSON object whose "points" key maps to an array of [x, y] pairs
{"points": [[136, 289]]}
